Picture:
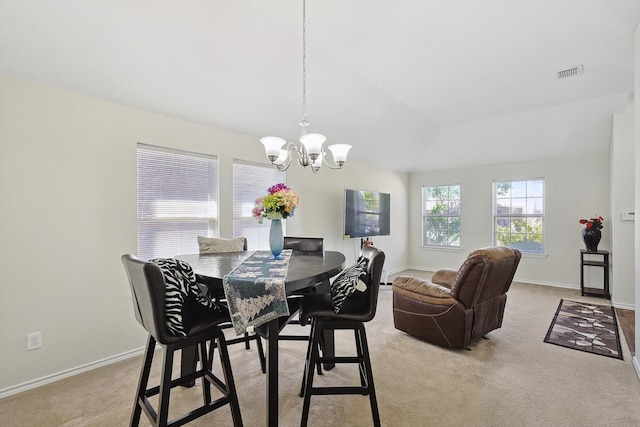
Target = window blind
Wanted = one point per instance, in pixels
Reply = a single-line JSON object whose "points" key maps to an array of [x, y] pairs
{"points": [[177, 200], [250, 181]]}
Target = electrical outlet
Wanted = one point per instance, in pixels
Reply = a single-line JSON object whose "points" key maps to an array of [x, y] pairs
{"points": [[34, 341]]}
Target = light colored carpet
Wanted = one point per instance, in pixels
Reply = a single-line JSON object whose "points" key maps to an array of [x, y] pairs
{"points": [[510, 379]]}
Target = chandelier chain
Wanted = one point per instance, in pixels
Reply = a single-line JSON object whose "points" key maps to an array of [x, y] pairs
{"points": [[304, 62], [309, 150]]}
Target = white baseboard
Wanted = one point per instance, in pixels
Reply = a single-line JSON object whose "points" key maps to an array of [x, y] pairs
{"points": [[18, 388], [636, 364]]}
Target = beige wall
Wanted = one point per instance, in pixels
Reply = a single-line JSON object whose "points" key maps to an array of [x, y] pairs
{"points": [[622, 200], [68, 212], [574, 188]]}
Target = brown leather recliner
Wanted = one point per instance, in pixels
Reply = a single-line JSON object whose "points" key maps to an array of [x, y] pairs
{"points": [[457, 306]]}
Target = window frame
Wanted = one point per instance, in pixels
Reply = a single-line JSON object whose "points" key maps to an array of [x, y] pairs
{"points": [[529, 217], [457, 216], [180, 218]]}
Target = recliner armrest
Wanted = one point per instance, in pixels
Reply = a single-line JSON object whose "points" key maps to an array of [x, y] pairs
{"points": [[423, 290], [445, 277]]}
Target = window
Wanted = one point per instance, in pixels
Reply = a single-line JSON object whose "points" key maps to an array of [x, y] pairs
{"points": [[250, 181], [519, 215], [177, 201], [441, 216]]}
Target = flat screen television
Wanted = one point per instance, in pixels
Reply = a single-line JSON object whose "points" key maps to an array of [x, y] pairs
{"points": [[366, 213]]}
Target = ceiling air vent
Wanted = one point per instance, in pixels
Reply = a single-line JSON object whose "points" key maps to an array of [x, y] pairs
{"points": [[571, 72]]}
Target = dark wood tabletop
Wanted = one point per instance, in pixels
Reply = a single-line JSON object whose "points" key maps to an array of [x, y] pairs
{"points": [[304, 268]]}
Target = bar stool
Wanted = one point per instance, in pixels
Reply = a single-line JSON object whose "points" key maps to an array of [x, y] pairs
{"points": [[148, 290], [319, 309]]}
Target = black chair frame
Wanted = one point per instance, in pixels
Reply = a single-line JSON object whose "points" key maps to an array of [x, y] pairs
{"points": [[362, 358], [318, 309], [226, 387], [148, 293]]}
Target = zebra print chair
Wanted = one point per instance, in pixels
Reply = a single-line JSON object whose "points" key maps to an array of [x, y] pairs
{"points": [[148, 289]]}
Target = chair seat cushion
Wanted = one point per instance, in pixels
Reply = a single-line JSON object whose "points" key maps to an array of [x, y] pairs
{"points": [[316, 305], [350, 289]]}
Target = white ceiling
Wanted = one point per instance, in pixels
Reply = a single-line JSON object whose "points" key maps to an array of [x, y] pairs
{"points": [[412, 85]]}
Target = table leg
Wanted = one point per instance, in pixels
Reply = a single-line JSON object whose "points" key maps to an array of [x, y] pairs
{"points": [[272, 373]]}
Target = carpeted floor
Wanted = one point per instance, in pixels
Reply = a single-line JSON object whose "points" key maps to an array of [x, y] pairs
{"points": [[512, 378], [586, 327]]}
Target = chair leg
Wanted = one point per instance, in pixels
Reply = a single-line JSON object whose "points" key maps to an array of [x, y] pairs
{"points": [[212, 350], [142, 382], [364, 348], [307, 359], [261, 356], [360, 354], [206, 364], [165, 387], [228, 379], [310, 365], [247, 341]]}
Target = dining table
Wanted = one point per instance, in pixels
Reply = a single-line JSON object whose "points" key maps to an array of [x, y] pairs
{"points": [[305, 270]]}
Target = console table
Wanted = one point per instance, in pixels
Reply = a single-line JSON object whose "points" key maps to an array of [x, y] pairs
{"points": [[603, 262]]}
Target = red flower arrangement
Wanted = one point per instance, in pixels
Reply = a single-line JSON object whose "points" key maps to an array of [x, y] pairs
{"points": [[594, 222]]}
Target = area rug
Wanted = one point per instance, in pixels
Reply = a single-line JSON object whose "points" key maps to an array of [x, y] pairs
{"points": [[586, 327]]}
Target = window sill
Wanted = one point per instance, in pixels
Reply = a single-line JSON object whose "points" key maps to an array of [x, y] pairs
{"points": [[443, 248], [534, 255]]}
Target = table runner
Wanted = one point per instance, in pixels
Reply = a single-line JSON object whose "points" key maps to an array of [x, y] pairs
{"points": [[255, 290]]}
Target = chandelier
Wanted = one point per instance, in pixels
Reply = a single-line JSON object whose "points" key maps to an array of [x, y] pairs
{"points": [[309, 149]]}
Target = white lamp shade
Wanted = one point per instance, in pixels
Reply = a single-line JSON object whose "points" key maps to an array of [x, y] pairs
{"points": [[282, 157], [272, 145], [339, 152], [313, 143]]}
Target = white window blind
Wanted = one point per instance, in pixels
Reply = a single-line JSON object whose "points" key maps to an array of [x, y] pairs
{"points": [[177, 201], [250, 181]]}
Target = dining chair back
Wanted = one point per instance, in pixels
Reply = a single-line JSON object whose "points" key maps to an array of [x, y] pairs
{"points": [[148, 290], [304, 244]]}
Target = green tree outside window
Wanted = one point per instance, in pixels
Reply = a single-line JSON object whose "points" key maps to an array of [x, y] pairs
{"points": [[441, 216], [519, 215]]}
